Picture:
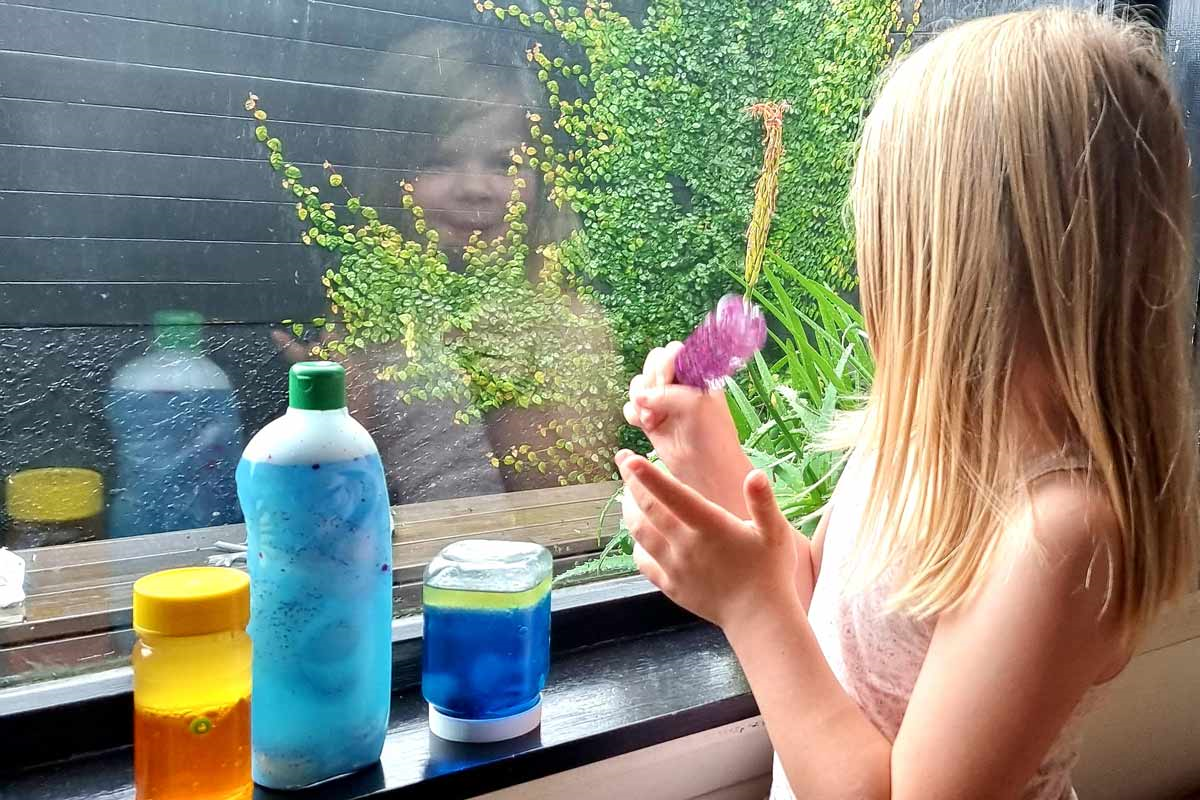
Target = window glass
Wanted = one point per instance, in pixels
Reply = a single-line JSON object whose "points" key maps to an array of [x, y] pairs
{"points": [[488, 212]]}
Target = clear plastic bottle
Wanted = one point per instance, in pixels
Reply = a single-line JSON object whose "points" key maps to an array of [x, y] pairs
{"points": [[177, 435], [191, 685], [320, 557], [487, 639]]}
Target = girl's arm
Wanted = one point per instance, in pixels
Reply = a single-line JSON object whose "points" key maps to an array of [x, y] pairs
{"points": [[1003, 674]]}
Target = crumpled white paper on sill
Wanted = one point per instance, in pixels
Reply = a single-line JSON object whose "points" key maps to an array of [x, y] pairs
{"points": [[231, 553], [12, 578]]}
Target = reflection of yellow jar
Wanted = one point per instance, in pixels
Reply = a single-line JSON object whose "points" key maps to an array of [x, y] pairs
{"points": [[58, 505], [191, 685]]}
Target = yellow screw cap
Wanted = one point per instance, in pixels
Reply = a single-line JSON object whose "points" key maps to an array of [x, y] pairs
{"points": [[191, 601], [56, 494]]}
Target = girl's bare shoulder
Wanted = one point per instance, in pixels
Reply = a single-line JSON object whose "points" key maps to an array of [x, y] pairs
{"points": [[1067, 514]]}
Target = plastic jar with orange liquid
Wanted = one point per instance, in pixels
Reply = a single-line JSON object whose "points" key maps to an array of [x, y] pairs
{"points": [[191, 685]]}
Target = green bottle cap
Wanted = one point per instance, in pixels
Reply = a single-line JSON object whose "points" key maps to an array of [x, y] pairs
{"points": [[317, 386], [177, 330]]}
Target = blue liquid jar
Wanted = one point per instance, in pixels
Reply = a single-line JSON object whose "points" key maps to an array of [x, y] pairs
{"points": [[487, 639]]}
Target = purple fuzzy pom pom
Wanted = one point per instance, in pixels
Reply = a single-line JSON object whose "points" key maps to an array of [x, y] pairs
{"points": [[722, 344]]}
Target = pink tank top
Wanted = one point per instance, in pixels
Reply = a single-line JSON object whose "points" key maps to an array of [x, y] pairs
{"points": [[876, 654]]}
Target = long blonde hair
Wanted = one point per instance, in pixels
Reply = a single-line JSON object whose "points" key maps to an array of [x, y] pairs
{"points": [[1022, 192]]}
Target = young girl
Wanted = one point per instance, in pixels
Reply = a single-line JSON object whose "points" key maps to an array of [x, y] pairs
{"points": [[1017, 504]]}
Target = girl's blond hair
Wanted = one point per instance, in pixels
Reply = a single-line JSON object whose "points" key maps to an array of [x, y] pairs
{"points": [[1022, 194]]}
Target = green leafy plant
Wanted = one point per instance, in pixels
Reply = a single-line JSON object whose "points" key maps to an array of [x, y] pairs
{"points": [[825, 368], [782, 405], [660, 159]]}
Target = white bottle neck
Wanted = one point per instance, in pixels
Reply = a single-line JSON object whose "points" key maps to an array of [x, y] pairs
{"points": [[307, 436]]}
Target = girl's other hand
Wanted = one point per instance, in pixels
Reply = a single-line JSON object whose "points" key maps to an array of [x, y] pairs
{"points": [[294, 350], [691, 430], [704, 558]]}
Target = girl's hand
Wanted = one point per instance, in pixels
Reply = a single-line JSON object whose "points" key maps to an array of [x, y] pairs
{"points": [[691, 430], [295, 350], [358, 391], [704, 558]]}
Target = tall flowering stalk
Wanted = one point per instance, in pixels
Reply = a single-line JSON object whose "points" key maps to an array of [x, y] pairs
{"points": [[766, 190], [730, 336]]}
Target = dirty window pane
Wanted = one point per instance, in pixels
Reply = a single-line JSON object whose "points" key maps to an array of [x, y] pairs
{"points": [[163, 267], [488, 212]]}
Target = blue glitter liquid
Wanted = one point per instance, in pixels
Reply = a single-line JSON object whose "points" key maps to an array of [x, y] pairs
{"points": [[320, 558], [486, 654], [176, 452]]}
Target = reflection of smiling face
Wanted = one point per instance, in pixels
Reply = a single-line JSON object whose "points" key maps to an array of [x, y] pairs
{"points": [[466, 187]]}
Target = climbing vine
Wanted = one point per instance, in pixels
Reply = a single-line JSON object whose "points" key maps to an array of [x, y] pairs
{"points": [[483, 338]]}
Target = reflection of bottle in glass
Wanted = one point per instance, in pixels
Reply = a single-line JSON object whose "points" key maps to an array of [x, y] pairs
{"points": [[177, 434], [320, 557]]}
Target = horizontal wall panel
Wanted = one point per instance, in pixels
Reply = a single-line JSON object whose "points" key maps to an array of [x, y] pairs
{"points": [[422, 30], [124, 260], [134, 303], [44, 77], [57, 124], [95, 37], [73, 216], [37, 169]]}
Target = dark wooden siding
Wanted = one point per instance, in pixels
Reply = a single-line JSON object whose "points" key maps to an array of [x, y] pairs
{"points": [[130, 180], [127, 165]]}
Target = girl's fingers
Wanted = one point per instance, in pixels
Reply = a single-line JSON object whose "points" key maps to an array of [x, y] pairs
{"points": [[665, 400], [650, 541], [651, 569], [659, 368], [650, 365], [639, 418], [669, 496], [653, 514], [632, 415], [664, 369], [647, 538], [764, 511], [635, 414]]}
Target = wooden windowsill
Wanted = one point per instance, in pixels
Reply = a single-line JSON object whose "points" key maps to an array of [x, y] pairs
{"points": [[77, 613], [605, 700]]}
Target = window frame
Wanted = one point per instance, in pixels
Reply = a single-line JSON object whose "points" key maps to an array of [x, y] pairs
{"points": [[79, 604], [620, 625]]}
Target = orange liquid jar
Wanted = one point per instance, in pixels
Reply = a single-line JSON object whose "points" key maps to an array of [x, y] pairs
{"points": [[191, 685]]}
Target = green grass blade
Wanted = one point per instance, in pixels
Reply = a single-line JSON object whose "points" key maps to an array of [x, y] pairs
{"points": [[744, 416]]}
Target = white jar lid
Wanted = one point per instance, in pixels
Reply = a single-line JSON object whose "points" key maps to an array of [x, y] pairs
{"points": [[480, 731]]}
